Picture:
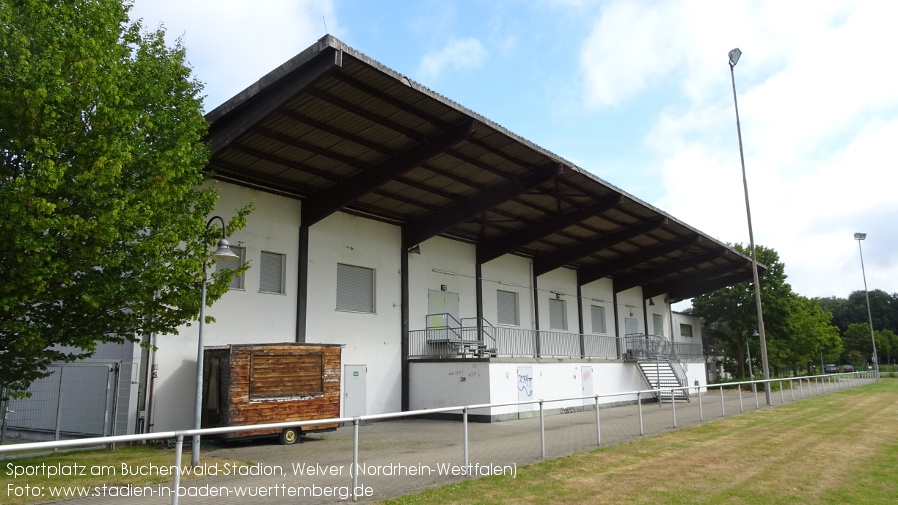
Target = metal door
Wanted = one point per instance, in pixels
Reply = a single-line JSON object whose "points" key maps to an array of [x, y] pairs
{"points": [[440, 303], [354, 389]]}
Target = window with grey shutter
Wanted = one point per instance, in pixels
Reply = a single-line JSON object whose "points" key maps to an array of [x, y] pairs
{"points": [[507, 302], [235, 263], [355, 288], [658, 325], [557, 316], [598, 319], [271, 271]]}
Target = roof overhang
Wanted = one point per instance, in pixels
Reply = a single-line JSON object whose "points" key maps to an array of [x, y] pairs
{"points": [[344, 133]]}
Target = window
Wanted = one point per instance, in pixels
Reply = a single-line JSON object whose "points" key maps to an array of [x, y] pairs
{"points": [[685, 330], [272, 273], [598, 319], [557, 315], [235, 263], [507, 307], [355, 288]]}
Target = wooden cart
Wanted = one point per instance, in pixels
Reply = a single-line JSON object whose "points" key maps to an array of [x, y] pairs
{"points": [[245, 384]]}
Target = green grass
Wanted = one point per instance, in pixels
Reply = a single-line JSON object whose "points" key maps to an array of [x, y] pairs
{"points": [[835, 448]]}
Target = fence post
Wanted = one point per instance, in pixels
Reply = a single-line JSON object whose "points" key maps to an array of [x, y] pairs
{"points": [[741, 408], [701, 413], [464, 419], [355, 458], [673, 407], [754, 387], [58, 407], [723, 412], [542, 430], [782, 394], [598, 424], [4, 410], [639, 403], [176, 480]]}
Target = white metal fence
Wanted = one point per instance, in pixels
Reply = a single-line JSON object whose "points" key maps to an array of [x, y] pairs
{"points": [[784, 390]]}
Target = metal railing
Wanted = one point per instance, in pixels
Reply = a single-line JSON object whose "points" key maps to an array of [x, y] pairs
{"points": [[821, 384], [451, 341], [824, 383]]}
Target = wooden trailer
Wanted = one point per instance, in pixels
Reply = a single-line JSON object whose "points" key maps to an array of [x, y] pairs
{"points": [[246, 384]]}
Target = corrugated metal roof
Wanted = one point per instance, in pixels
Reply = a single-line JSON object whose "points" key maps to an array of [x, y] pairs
{"points": [[343, 132]]}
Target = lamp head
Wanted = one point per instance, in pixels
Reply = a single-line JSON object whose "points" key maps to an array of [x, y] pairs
{"points": [[734, 56], [224, 251], [860, 236], [755, 334]]}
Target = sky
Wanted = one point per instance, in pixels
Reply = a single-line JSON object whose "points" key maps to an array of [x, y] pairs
{"points": [[638, 93]]}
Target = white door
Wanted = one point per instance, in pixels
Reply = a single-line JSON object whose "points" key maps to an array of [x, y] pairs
{"points": [[588, 388], [657, 325], [354, 398], [525, 388]]}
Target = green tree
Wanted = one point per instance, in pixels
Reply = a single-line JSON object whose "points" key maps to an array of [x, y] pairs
{"points": [[858, 344], [810, 334], [730, 313], [103, 204]]}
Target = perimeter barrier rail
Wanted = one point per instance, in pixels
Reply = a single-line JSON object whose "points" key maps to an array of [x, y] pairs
{"points": [[806, 386]]}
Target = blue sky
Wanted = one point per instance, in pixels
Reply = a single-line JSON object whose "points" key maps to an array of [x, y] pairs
{"points": [[638, 93]]}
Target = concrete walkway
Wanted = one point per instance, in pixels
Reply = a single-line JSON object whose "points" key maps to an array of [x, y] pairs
{"points": [[407, 456]]}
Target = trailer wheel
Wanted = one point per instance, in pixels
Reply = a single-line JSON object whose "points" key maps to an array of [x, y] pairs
{"points": [[290, 436]]}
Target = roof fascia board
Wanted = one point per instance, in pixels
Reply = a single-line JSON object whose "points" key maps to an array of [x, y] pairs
{"points": [[235, 117]]}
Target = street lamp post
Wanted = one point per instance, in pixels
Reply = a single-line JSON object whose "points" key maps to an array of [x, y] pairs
{"points": [[859, 237], [222, 253], [734, 58]]}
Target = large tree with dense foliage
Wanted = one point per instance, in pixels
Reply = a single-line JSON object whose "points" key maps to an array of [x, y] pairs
{"points": [[811, 335], [730, 314], [103, 205]]}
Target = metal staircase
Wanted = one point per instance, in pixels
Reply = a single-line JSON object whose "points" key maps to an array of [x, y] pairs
{"points": [[663, 378], [653, 356]]}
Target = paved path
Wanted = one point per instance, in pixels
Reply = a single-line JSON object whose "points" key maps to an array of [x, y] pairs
{"points": [[410, 455]]}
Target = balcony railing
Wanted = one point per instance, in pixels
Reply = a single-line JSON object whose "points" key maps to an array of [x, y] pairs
{"points": [[447, 337]]}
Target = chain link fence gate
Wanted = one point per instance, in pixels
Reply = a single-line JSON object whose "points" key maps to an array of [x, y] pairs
{"points": [[77, 400]]}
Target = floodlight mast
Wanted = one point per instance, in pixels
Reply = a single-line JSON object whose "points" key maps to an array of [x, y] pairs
{"points": [[734, 56]]}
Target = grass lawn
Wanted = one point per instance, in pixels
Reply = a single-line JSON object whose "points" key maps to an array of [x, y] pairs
{"points": [[836, 448]]}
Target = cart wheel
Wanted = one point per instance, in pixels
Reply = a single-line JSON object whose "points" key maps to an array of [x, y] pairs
{"points": [[290, 436]]}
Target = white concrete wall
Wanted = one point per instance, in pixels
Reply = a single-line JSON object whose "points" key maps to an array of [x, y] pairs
{"points": [[696, 322], [441, 262], [630, 302], [559, 282], [508, 273], [370, 339], [598, 293], [241, 316], [498, 383]]}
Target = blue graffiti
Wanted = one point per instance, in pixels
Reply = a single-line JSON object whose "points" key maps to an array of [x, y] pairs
{"points": [[525, 384]]}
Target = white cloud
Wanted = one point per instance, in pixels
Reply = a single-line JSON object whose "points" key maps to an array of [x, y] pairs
{"points": [[232, 44], [819, 111], [458, 54]]}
